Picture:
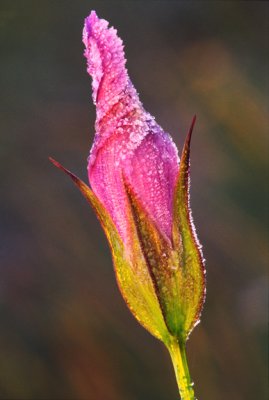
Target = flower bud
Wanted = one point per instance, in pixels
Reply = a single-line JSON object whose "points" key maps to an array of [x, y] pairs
{"points": [[140, 193]]}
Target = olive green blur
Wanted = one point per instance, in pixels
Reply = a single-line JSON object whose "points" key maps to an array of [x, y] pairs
{"points": [[65, 331]]}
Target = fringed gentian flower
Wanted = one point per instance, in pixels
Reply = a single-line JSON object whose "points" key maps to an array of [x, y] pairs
{"points": [[140, 193]]}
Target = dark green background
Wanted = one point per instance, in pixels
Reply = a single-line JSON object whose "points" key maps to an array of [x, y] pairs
{"points": [[65, 332]]}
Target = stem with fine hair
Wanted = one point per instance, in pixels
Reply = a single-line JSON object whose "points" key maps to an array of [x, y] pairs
{"points": [[177, 352]]}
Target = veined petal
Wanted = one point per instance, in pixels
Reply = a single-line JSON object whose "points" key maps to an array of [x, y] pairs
{"points": [[128, 140]]}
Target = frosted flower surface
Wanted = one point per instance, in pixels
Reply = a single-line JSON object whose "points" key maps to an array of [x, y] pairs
{"points": [[128, 142]]}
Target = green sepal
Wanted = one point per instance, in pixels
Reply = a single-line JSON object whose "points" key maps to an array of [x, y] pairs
{"points": [[185, 239], [133, 276], [163, 264]]}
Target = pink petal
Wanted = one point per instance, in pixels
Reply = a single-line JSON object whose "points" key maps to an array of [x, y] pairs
{"points": [[128, 141]]}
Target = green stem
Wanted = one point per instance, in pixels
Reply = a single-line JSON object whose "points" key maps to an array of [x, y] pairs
{"points": [[178, 354]]}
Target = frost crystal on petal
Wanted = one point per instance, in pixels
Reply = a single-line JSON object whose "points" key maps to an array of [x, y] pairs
{"points": [[106, 62]]}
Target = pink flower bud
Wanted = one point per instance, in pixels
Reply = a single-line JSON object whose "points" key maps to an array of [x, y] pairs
{"points": [[140, 193]]}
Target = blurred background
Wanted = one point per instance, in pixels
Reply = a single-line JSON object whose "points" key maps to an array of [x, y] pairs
{"points": [[65, 331]]}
